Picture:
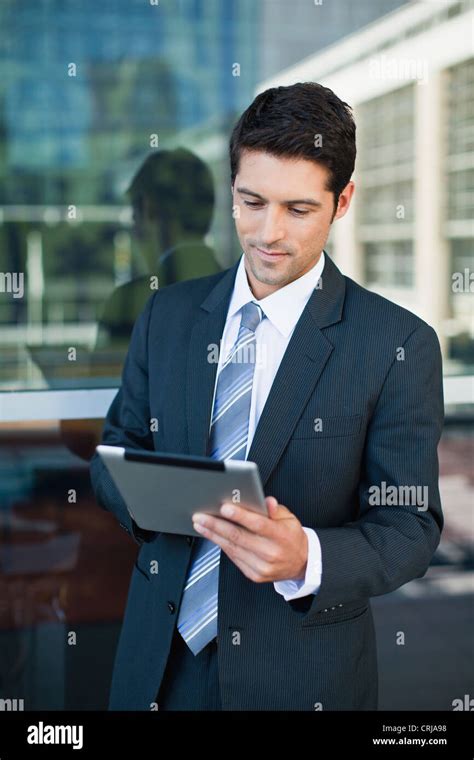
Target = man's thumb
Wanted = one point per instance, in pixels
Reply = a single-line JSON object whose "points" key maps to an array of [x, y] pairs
{"points": [[272, 506]]}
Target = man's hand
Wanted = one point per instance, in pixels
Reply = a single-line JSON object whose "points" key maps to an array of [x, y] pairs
{"points": [[265, 549]]}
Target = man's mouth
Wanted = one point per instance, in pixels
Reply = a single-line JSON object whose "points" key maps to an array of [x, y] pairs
{"points": [[270, 255]]}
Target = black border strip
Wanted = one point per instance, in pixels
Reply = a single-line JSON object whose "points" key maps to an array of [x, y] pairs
{"points": [[174, 460]]}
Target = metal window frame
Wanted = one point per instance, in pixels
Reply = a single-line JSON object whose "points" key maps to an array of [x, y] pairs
{"points": [[30, 406], [23, 406]]}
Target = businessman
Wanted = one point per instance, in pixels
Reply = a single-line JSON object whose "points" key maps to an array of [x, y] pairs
{"points": [[335, 393]]}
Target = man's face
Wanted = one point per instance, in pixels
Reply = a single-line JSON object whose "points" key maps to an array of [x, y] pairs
{"points": [[283, 218]]}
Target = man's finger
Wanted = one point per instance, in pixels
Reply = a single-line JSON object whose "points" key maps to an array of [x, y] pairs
{"points": [[251, 565], [255, 522], [248, 570], [235, 535]]}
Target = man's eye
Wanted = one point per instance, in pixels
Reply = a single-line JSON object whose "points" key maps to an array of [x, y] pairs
{"points": [[257, 204]]}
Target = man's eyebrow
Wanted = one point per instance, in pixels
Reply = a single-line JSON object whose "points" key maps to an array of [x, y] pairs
{"points": [[309, 201]]}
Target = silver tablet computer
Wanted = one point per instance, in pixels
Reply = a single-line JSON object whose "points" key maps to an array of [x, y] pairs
{"points": [[163, 490]]}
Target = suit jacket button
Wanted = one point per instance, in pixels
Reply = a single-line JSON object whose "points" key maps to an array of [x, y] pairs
{"points": [[189, 539], [171, 607], [325, 610]]}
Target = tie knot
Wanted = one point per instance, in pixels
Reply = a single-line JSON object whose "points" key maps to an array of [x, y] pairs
{"points": [[252, 315]]}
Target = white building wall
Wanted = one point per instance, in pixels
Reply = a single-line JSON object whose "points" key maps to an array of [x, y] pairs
{"points": [[358, 69]]}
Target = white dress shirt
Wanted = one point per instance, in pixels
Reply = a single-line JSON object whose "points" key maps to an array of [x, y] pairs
{"points": [[282, 310]]}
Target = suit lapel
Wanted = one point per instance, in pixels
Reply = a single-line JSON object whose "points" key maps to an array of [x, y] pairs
{"points": [[303, 362]]}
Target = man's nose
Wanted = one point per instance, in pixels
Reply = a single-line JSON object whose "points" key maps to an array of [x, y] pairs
{"points": [[272, 228]]}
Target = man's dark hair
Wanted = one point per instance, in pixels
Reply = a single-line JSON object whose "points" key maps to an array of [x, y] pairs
{"points": [[286, 122]]}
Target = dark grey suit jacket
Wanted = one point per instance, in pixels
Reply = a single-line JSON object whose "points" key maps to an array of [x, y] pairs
{"points": [[371, 371]]}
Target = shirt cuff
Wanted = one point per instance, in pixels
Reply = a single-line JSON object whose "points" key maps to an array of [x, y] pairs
{"points": [[291, 589]]}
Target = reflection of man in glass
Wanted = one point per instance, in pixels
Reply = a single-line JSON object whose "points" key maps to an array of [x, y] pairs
{"points": [[172, 197]]}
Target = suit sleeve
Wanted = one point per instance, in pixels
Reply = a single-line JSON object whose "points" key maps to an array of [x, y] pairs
{"points": [[127, 424], [389, 545]]}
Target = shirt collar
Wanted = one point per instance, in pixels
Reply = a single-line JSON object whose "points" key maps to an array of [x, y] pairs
{"points": [[283, 307]]}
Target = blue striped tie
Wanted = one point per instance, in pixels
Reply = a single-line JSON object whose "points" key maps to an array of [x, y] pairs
{"points": [[197, 619]]}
